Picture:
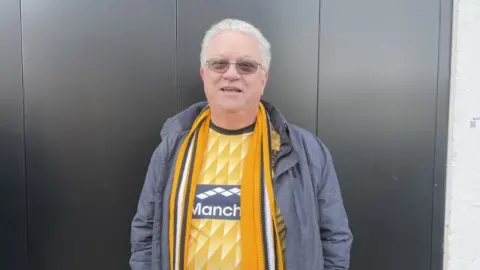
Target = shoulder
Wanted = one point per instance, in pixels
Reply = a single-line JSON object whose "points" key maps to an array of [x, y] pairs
{"points": [[174, 129], [307, 144], [183, 120]]}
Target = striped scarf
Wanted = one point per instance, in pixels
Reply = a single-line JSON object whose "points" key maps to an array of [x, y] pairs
{"points": [[260, 241]]}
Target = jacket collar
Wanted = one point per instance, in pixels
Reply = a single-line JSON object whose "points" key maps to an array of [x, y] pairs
{"points": [[183, 121]]}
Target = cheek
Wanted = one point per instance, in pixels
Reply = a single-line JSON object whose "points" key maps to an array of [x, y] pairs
{"points": [[211, 81], [254, 85], [216, 79]]}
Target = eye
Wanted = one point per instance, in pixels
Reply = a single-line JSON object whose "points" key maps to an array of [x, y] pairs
{"points": [[247, 66], [219, 64]]}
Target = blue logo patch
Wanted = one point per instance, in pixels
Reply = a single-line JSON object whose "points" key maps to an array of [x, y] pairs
{"points": [[217, 202]]}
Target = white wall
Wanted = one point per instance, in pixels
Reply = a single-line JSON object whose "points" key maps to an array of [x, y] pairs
{"points": [[462, 232]]}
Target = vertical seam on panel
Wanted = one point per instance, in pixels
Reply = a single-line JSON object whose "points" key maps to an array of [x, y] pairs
{"points": [[432, 220], [24, 137], [318, 70], [176, 58]]}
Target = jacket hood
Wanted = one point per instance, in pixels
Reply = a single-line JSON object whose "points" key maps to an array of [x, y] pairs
{"points": [[183, 120]]}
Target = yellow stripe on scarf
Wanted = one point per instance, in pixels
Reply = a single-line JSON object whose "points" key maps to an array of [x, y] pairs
{"points": [[257, 195]]}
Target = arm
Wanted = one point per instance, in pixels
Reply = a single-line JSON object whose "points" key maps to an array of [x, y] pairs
{"points": [[142, 223], [334, 227]]}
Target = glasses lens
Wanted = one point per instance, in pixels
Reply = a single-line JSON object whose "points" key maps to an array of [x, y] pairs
{"points": [[247, 67], [218, 65]]}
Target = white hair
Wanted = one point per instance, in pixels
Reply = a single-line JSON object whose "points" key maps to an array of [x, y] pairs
{"points": [[240, 26]]}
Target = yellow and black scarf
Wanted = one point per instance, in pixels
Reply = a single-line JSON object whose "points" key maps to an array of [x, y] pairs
{"points": [[261, 248]]}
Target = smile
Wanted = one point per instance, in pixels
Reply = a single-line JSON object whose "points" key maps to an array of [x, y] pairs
{"points": [[230, 89]]}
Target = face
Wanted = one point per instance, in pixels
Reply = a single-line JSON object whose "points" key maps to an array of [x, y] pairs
{"points": [[233, 88]]}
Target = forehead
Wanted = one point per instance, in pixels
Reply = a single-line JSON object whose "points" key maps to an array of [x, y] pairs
{"points": [[233, 44]]}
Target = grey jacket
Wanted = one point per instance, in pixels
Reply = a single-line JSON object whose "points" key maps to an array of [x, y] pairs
{"points": [[306, 190]]}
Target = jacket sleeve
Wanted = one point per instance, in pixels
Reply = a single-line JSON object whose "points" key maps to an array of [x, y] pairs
{"points": [[142, 223], [334, 226]]}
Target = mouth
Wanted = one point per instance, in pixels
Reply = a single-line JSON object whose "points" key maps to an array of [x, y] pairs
{"points": [[231, 89]]}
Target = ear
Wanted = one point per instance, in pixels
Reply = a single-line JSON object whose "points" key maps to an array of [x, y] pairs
{"points": [[202, 73], [265, 78]]}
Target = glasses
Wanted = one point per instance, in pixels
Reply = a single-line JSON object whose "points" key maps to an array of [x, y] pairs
{"points": [[242, 66]]}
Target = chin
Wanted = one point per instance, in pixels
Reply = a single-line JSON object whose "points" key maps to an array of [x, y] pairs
{"points": [[231, 108], [228, 105]]}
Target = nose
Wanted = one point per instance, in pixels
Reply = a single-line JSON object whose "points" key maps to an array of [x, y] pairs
{"points": [[231, 73]]}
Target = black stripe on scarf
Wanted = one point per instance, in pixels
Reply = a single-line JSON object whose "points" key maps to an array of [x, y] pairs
{"points": [[275, 245], [186, 201], [186, 198], [175, 217], [263, 209]]}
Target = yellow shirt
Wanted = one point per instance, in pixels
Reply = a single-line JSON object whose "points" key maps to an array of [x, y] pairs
{"points": [[215, 232]]}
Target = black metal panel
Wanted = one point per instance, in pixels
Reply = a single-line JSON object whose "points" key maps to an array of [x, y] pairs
{"points": [[99, 83], [12, 148], [291, 28], [377, 113]]}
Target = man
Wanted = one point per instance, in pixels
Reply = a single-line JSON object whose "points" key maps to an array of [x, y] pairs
{"points": [[233, 185]]}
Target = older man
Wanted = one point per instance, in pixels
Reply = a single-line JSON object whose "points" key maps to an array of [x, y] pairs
{"points": [[233, 185]]}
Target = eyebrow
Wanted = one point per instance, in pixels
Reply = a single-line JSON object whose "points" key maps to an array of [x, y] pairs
{"points": [[245, 56]]}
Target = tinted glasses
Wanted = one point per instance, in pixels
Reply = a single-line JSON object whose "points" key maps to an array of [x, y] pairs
{"points": [[242, 66]]}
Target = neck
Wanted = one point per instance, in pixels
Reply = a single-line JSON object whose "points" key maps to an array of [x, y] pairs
{"points": [[233, 121]]}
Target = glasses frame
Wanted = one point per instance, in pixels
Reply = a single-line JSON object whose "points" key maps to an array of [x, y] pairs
{"points": [[236, 63]]}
